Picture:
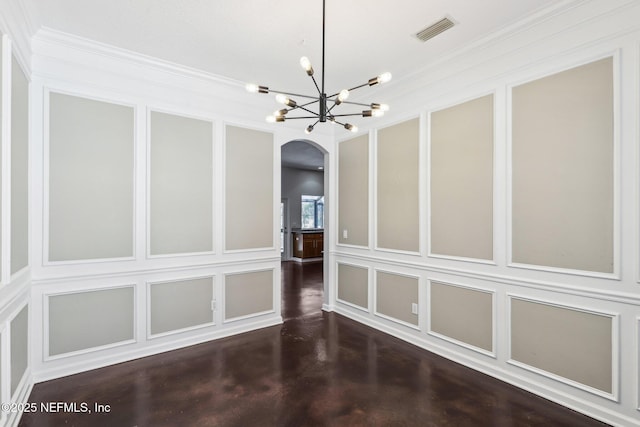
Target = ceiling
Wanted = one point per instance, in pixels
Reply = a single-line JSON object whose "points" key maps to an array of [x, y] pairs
{"points": [[261, 41]]}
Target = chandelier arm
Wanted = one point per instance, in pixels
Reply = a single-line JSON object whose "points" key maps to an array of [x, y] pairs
{"points": [[309, 103], [350, 89], [347, 115], [358, 87], [293, 94], [356, 103], [308, 111], [315, 83], [303, 117]]}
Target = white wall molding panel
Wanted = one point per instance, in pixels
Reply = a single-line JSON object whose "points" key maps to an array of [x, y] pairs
{"points": [[551, 247], [163, 290], [16, 379], [586, 293]]}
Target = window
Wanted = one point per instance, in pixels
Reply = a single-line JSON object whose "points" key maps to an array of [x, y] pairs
{"points": [[312, 208]]}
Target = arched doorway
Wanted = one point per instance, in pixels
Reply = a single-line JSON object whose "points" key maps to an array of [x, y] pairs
{"points": [[305, 198]]}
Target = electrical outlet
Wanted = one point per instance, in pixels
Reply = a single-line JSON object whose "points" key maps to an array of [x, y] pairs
{"points": [[345, 234], [414, 308]]}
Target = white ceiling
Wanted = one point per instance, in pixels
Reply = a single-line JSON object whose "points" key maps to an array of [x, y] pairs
{"points": [[261, 41]]}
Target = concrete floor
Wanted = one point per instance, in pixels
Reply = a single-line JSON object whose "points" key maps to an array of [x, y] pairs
{"points": [[317, 369]]}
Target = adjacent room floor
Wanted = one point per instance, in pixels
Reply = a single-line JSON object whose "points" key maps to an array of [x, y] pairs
{"points": [[317, 369]]}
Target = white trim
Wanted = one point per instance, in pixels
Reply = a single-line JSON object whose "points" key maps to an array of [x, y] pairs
{"points": [[464, 259], [545, 285], [637, 364], [135, 59], [615, 347], [636, 188], [551, 68], [153, 348], [46, 357], [494, 340], [500, 372], [149, 284], [248, 316], [5, 368], [48, 89], [119, 274]]}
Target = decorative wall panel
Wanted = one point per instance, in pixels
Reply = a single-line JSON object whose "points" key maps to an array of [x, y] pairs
{"points": [[395, 295], [398, 187], [464, 314], [248, 293], [180, 304], [19, 347], [19, 168], [181, 184], [353, 285], [353, 191], [91, 169], [248, 189], [461, 168], [571, 343], [84, 320], [562, 188]]}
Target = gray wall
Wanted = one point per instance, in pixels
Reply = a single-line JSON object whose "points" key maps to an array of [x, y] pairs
{"points": [[90, 179], [295, 183], [563, 169], [180, 304], [461, 167], [181, 184], [248, 293], [353, 191], [83, 320], [19, 347], [19, 168], [248, 189], [398, 225]]}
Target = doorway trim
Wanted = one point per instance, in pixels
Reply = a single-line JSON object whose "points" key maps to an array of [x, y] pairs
{"points": [[328, 216]]}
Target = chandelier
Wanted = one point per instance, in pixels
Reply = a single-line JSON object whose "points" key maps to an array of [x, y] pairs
{"points": [[325, 103]]}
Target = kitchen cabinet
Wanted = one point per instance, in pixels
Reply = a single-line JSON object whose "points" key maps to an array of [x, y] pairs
{"points": [[308, 244]]}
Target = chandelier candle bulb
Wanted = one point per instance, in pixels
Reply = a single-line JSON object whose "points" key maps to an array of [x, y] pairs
{"points": [[384, 77], [306, 64], [254, 88], [382, 107]]}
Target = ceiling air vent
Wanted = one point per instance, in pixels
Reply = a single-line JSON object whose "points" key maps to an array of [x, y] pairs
{"points": [[433, 30]]}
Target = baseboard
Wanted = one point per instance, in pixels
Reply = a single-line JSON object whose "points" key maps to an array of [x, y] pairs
{"points": [[492, 368], [305, 260], [74, 366]]}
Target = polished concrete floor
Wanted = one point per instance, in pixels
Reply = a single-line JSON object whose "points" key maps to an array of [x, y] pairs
{"points": [[317, 369]]}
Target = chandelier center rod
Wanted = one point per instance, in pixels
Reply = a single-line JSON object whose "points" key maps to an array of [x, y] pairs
{"points": [[323, 25]]}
